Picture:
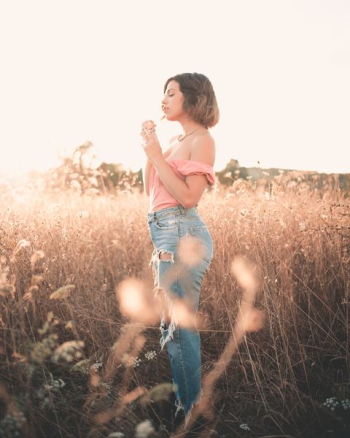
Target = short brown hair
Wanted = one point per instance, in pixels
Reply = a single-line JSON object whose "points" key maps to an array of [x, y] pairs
{"points": [[199, 98]]}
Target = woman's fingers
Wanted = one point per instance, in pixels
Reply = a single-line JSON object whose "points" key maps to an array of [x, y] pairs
{"points": [[151, 144], [148, 127], [148, 124], [150, 137]]}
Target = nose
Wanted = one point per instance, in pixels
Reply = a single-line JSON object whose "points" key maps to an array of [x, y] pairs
{"points": [[164, 100]]}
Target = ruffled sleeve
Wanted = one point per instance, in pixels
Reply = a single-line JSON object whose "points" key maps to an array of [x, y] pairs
{"points": [[190, 167]]}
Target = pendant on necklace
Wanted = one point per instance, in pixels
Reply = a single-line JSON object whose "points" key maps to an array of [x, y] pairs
{"points": [[180, 139]]}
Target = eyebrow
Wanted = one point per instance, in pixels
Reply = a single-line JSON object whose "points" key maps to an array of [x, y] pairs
{"points": [[171, 89]]}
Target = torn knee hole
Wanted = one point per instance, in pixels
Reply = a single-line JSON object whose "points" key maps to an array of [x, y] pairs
{"points": [[164, 255]]}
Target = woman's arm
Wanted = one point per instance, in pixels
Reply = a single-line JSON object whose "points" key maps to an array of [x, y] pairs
{"points": [[149, 164], [188, 192], [146, 176]]}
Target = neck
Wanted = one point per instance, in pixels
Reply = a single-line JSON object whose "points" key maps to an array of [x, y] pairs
{"points": [[190, 125]]}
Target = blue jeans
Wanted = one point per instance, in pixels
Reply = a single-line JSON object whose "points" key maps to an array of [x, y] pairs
{"points": [[178, 274]]}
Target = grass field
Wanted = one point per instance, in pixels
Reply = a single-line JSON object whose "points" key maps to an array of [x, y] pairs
{"points": [[71, 365]]}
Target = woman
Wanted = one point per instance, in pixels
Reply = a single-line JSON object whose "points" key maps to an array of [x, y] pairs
{"points": [[175, 181]]}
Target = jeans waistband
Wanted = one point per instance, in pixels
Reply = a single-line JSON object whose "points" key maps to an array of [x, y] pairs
{"points": [[178, 210]]}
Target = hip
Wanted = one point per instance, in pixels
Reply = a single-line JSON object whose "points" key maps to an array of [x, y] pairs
{"points": [[168, 227]]}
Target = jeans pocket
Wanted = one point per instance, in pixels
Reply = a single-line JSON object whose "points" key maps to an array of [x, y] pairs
{"points": [[167, 223]]}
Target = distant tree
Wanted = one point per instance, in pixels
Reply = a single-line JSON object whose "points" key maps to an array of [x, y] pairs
{"points": [[75, 171], [113, 176], [231, 173], [314, 180], [110, 175]]}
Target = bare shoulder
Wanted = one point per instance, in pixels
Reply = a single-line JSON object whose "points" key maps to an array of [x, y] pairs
{"points": [[170, 148], [203, 149]]}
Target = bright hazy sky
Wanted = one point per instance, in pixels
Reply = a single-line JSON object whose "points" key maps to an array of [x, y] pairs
{"points": [[75, 70]]}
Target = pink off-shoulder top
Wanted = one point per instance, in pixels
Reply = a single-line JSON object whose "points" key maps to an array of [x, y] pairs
{"points": [[159, 197]]}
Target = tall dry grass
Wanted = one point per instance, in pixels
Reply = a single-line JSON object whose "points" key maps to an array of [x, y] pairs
{"points": [[72, 365]]}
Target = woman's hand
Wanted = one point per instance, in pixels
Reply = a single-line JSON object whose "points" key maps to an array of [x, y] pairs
{"points": [[151, 144]]}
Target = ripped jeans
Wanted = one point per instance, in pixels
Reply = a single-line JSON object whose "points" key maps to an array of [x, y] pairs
{"points": [[183, 250]]}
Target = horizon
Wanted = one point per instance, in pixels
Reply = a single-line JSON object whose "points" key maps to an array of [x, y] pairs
{"points": [[30, 173]]}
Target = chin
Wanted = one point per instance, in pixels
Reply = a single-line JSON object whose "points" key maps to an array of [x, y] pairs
{"points": [[171, 119]]}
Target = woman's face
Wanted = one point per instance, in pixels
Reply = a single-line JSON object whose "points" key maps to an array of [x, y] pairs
{"points": [[172, 104]]}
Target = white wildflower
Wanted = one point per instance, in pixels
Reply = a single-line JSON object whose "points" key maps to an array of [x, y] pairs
{"points": [[345, 404], [150, 355], [54, 385], [144, 429], [58, 383], [130, 361], [49, 388], [331, 403], [96, 366], [135, 362], [68, 351], [244, 426]]}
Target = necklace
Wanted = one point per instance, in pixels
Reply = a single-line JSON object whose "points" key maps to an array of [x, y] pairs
{"points": [[180, 139]]}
